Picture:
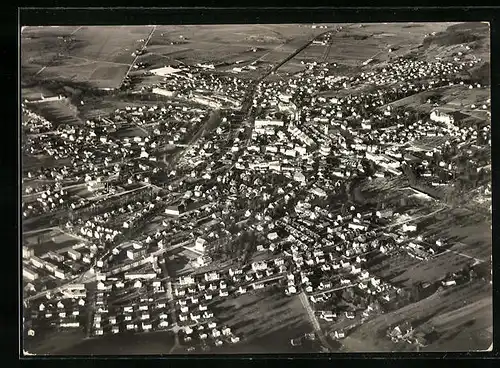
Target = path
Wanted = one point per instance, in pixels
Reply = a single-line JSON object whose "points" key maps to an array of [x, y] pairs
{"points": [[314, 320], [135, 59]]}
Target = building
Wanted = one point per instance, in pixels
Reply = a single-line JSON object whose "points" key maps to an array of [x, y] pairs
{"points": [[260, 123], [199, 245], [28, 252], [74, 254], [298, 176], [441, 117], [134, 254], [259, 266], [173, 210], [29, 274], [148, 275]]}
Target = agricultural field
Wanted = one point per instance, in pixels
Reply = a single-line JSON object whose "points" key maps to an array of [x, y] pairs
{"points": [[264, 318], [58, 112], [449, 305], [54, 342], [157, 342], [450, 99], [100, 56], [225, 43]]}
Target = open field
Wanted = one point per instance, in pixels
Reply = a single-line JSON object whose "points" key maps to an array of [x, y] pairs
{"points": [[463, 230], [370, 336], [123, 344], [98, 55], [450, 99], [265, 321], [54, 342], [357, 43], [58, 112], [227, 43], [462, 327], [32, 162]]}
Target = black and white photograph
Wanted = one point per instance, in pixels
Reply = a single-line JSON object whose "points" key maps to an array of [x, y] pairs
{"points": [[255, 188]]}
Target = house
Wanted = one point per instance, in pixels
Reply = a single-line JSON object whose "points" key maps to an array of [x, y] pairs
{"points": [[409, 228], [279, 261], [212, 276], [212, 325], [374, 281], [272, 236], [223, 293], [234, 339], [339, 334], [349, 315], [186, 280], [200, 245], [259, 266]]}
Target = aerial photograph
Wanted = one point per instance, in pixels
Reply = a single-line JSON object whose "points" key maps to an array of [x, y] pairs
{"points": [[255, 189]]}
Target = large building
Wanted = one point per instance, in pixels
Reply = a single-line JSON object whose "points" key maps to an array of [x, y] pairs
{"points": [[29, 273], [260, 123], [441, 117]]}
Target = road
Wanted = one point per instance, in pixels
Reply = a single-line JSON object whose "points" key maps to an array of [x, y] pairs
{"points": [[171, 303], [476, 260], [214, 116], [314, 321], [41, 230], [135, 59]]}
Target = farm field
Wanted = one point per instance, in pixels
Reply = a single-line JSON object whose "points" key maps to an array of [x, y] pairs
{"points": [[97, 55], [470, 233], [159, 342], [54, 343], [450, 99], [226, 43], [437, 306], [265, 320], [58, 112]]}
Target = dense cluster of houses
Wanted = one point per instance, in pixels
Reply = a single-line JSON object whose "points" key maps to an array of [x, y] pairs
{"points": [[33, 123], [302, 148]]}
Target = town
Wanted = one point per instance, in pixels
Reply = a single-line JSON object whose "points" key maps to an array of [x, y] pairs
{"points": [[206, 188]]}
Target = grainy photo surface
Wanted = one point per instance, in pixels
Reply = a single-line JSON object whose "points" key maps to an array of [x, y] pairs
{"points": [[256, 188]]}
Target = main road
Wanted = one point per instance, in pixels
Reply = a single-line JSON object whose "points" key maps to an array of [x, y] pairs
{"points": [[314, 321]]}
